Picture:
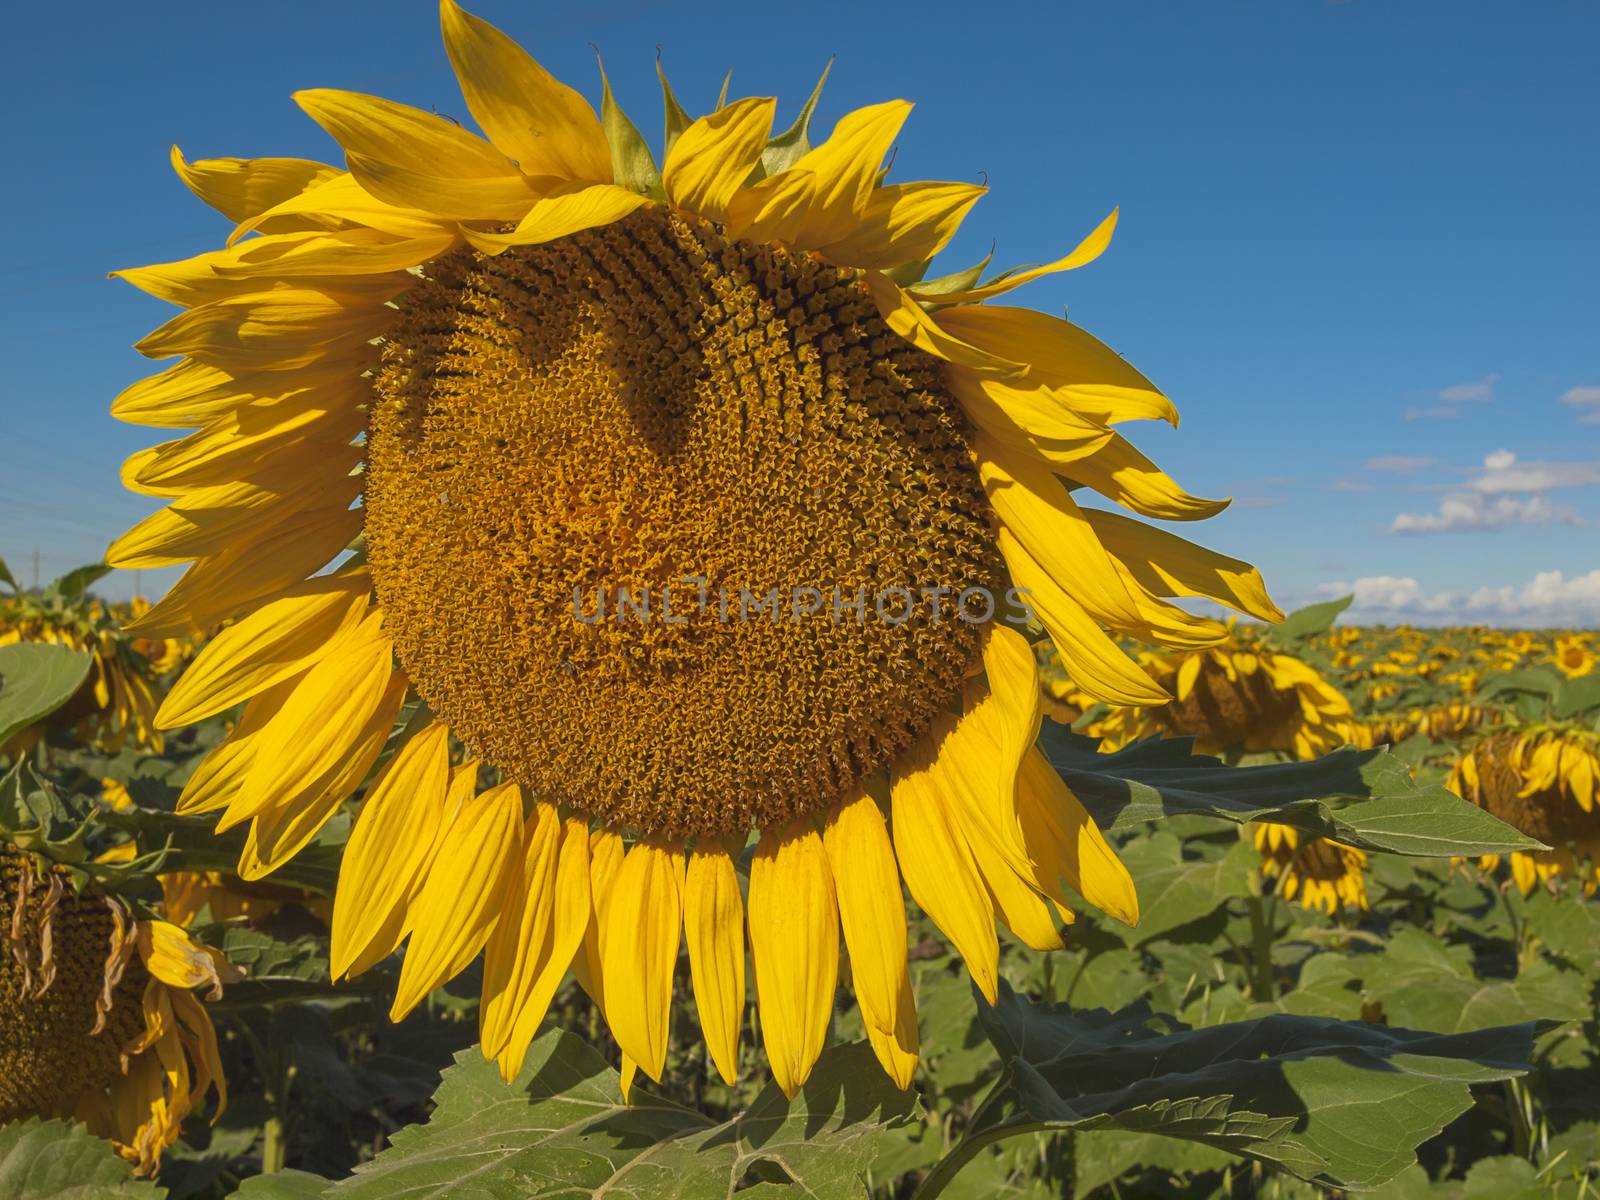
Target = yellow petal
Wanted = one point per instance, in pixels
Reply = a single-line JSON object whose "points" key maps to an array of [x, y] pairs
{"points": [[572, 912], [911, 322], [280, 831], [511, 959], [281, 638], [389, 852], [241, 188], [771, 211], [322, 255], [872, 913], [566, 211], [277, 330], [904, 223], [605, 859], [937, 865], [531, 116], [463, 895], [1027, 419], [321, 719], [1095, 662], [491, 198], [1169, 565], [341, 200], [222, 773], [1085, 252], [1084, 373], [1012, 670], [846, 169], [189, 394], [713, 926], [794, 942], [715, 155], [1121, 473], [176, 959], [1038, 511], [643, 923], [1067, 845], [218, 586], [386, 132], [223, 453]]}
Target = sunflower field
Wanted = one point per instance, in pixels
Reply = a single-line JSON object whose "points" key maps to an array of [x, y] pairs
{"points": [[674, 694]]}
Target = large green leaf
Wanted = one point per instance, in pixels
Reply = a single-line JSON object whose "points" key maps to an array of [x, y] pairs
{"points": [[1341, 1103], [1311, 620], [1363, 798], [563, 1130], [77, 581], [35, 680], [54, 1160]]}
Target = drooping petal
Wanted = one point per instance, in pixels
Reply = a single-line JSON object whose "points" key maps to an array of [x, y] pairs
{"points": [[643, 924], [911, 321], [715, 155], [464, 893], [572, 911], [281, 638], [1119, 472], [713, 926], [222, 773], [1169, 565], [794, 942], [846, 169], [873, 916], [1085, 252], [1027, 419], [1088, 376], [389, 852], [937, 864], [511, 957], [527, 113], [1064, 841], [241, 188]]}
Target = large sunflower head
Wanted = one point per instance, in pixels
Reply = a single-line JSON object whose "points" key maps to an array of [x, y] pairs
{"points": [[99, 1020], [689, 507], [1543, 781]]}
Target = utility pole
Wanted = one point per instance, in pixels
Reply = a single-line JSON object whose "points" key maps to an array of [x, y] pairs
{"points": [[36, 566]]}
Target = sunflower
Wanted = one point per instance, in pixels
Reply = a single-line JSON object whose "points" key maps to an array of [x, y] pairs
{"points": [[1572, 655], [1321, 874], [118, 697], [1544, 782], [1238, 696], [100, 1020], [687, 505], [224, 897]]}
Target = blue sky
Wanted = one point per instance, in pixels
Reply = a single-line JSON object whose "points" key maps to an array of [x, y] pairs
{"points": [[1358, 245]]}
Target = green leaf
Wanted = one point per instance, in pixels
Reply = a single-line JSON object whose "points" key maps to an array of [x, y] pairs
{"points": [[956, 281], [787, 148], [1174, 890], [7, 578], [631, 161], [35, 680], [1340, 1103], [1540, 682], [1574, 697], [57, 1160], [563, 1130], [75, 582], [284, 1185], [1311, 620], [1363, 798]]}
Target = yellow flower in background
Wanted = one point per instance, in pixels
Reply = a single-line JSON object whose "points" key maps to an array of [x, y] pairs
{"points": [[530, 372], [1239, 697], [1321, 874], [99, 1020], [1572, 655], [1544, 782], [186, 894]]}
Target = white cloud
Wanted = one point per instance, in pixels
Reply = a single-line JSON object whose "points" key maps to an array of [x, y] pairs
{"points": [[1399, 462], [1581, 397], [1503, 472], [1454, 396], [1549, 599], [1462, 393], [1461, 512]]}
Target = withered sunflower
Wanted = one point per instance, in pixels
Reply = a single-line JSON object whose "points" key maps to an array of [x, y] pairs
{"points": [[528, 375], [1544, 782], [99, 1020], [1319, 873]]}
